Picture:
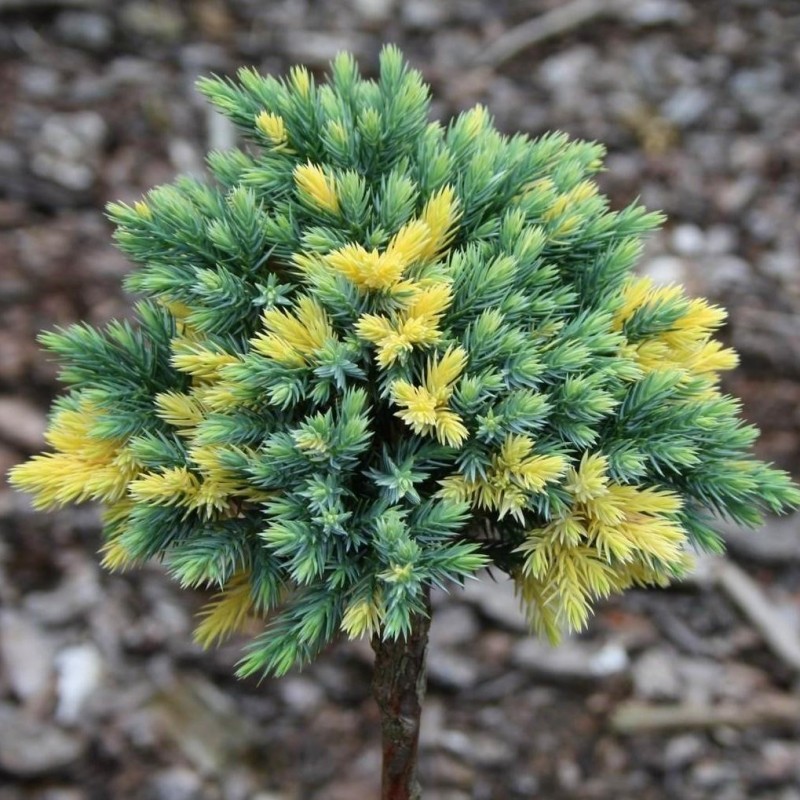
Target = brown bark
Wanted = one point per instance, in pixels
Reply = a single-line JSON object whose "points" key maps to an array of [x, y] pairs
{"points": [[398, 685]]}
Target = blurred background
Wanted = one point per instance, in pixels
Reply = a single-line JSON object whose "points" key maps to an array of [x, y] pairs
{"points": [[686, 693]]}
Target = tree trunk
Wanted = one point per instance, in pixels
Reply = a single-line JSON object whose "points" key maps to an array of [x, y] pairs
{"points": [[398, 685]]}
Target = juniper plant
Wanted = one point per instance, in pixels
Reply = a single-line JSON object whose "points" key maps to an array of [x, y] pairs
{"points": [[377, 354]]}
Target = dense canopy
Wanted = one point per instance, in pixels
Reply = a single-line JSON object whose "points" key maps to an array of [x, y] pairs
{"points": [[377, 353]]}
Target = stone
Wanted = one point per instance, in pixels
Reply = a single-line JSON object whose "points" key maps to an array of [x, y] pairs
{"points": [[572, 661], [80, 671], [780, 761], [343, 682], [497, 601], [9, 507], [423, 14], [701, 680], [21, 423], [301, 695], [202, 721], [450, 770], [318, 48], [491, 752], [43, 83], [721, 239], [449, 670], [30, 748], [453, 625], [433, 722], [610, 659], [132, 71], [347, 788], [734, 195], [758, 90], [655, 676], [243, 783], [688, 240], [779, 264], [730, 39], [666, 269], [525, 784], [270, 796], [220, 131], [739, 681], [27, 656], [185, 157], [727, 272], [567, 69], [202, 56], [85, 29], [62, 793], [373, 10], [749, 154], [213, 19], [152, 20], [67, 149], [454, 794], [713, 774], [687, 106], [682, 750], [627, 626], [78, 592], [569, 774], [9, 457], [177, 783], [479, 748], [13, 288], [646, 13]]}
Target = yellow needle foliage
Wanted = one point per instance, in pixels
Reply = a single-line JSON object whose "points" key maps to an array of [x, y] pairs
{"points": [[293, 338], [686, 344], [515, 473], [416, 324], [612, 536], [315, 186], [424, 408], [84, 467], [274, 128], [227, 613]]}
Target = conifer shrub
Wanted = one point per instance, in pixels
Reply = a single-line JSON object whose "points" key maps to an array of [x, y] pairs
{"points": [[376, 354]]}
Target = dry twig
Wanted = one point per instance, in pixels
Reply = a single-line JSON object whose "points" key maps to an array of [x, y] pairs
{"points": [[753, 603], [560, 20], [637, 717]]}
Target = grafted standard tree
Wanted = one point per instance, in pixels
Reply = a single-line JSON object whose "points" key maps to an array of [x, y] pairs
{"points": [[376, 354]]}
